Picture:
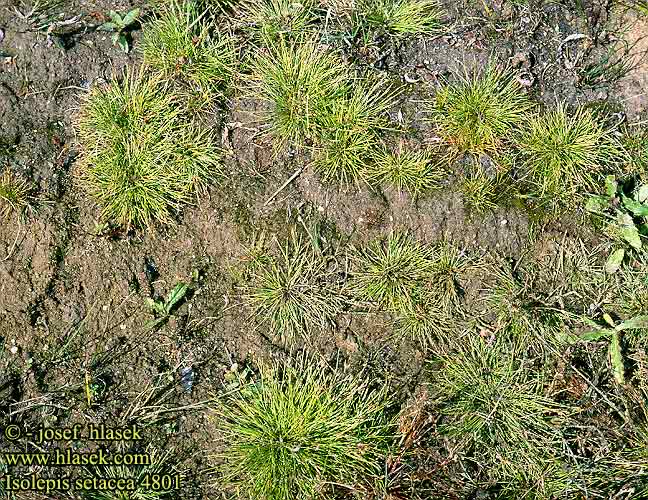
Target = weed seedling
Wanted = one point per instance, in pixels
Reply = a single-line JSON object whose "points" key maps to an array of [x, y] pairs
{"points": [[613, 332], [626, 214], [478, 113], [120, 26], [296, 430], [163, 309]]}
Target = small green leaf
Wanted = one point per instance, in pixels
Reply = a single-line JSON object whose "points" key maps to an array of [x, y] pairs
{"points": [[156, 306], [116, 18], [608, 319], [642, 193], [631, 235], [638, 209], [176, 295], [633, 323], [108, 27], [611, 186], [130, 17], [614, 261], [123, 43], [597, 334], [616, 359], [624, 219], [597, 204]]}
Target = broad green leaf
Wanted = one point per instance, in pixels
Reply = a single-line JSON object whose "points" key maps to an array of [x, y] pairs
{"points": [[116, 18], [638, 209], [624, 219], [608, 319], [597, 334], [611, 186], [614, 261], [108, 27], [631, 235], [642, 193], [634, 323], [123, 43], [616, 359], [596, 204], [130, 17], [176, 295]]}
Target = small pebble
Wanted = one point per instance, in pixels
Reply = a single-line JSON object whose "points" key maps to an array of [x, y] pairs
{"points": [[1, 34], [13, 349]]}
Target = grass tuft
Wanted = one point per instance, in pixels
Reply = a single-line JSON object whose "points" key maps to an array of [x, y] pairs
{"points": [[477, 114], [564, 153], [391, 272], [179, 44], [297, 429], [495, 406], [14, 193], [294, 292], [272, 20], [424, 319], [401, 17], [298, 83], [141, 158], [350, 128], [416, 172]]}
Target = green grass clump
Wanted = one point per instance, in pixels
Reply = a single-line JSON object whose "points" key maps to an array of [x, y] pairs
{"points": [[483, 193], [298, 83], [450, 265], [275, 19], [294, 292], [141, 157], [312, 100], [296, 430], [564, 153], [350, 131], [524, 312], [14, 193], [401, 17], [416, 172], [391, 272], [424, 319], [179, 44], [478, 114], [494, 405]]}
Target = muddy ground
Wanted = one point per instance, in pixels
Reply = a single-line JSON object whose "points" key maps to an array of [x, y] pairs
{"points": [[72, 300]]}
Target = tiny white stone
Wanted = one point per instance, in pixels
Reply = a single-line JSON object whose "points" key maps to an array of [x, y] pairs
{"points": [[504, 222], [13, 349]]}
